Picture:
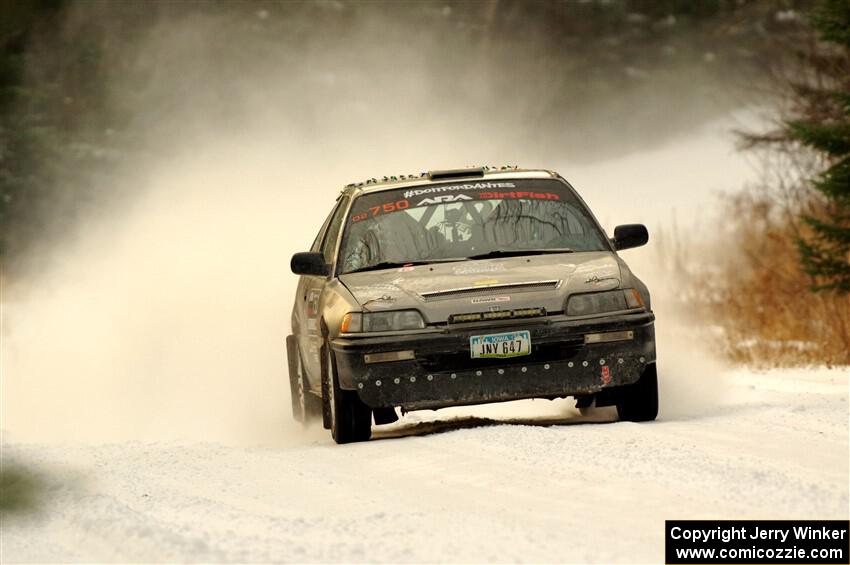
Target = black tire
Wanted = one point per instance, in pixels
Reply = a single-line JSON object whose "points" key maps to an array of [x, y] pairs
{"points": [[306, 407], [349, 418], [639, 402]]}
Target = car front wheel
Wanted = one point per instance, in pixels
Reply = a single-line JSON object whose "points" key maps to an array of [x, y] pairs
{"points": [[639, 402], [349, 418]]}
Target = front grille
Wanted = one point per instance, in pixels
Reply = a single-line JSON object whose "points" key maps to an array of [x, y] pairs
{"points": [[489, 289]]}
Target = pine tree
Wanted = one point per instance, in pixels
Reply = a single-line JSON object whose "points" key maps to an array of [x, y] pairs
{"points": [[824, 126]]}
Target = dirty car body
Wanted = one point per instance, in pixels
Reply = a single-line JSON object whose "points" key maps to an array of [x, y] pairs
{"points": [[467, 287]]}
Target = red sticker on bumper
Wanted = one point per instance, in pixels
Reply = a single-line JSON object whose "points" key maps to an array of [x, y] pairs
{"points": [[606, 375]]}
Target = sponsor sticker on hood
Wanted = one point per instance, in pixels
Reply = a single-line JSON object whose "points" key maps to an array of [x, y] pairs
{"points": [[473, 268], [489, 299]]}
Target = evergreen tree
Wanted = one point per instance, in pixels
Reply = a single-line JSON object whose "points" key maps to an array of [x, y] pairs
{"points": [[823, 124]]}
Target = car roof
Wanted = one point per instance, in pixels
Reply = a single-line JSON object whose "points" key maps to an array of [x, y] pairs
{"points": [[441, 177]]}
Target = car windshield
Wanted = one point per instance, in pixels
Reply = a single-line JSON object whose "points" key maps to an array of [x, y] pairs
{"points": [[464, 219]]}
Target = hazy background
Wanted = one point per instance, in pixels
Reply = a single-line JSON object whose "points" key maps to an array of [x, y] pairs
{"points": [[161, 162]]}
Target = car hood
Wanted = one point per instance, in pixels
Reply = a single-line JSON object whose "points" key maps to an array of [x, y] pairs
{"points": [[441, 289]]}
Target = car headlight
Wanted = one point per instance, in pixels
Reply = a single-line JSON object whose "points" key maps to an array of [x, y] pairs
{"points": [[395, 320], [600, 302]]}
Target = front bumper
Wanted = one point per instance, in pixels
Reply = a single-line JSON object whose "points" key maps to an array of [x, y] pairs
{"points": [[443, 373]]}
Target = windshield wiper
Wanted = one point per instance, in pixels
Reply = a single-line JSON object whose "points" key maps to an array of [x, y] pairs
{"points": [[398, 264], [519, 252], [488, 255]]}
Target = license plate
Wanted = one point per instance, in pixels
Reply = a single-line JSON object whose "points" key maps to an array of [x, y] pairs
{"points": [[499, 346]]}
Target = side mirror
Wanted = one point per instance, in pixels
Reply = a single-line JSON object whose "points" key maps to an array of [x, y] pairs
{"points": [[309, 263], [630, 235]]}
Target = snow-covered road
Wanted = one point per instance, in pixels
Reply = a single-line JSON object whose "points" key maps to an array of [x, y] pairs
{"points": [[529, 481]]}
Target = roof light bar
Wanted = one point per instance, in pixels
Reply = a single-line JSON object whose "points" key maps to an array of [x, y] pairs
{"points": [[435, 175], [456, 173]]}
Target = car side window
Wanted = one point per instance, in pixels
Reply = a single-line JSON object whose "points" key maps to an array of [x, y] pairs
{"points": [[332, 233]]}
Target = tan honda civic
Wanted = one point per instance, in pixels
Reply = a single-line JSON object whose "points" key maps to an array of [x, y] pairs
{"points": [[463, 287]]}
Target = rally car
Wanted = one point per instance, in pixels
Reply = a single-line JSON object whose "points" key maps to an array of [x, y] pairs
{"points": [[464, 287]]}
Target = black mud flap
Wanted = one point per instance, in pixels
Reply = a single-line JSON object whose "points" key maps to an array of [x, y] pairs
{"points": [[384, 416], [292, 362], [584, 401], [323, 365]]}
